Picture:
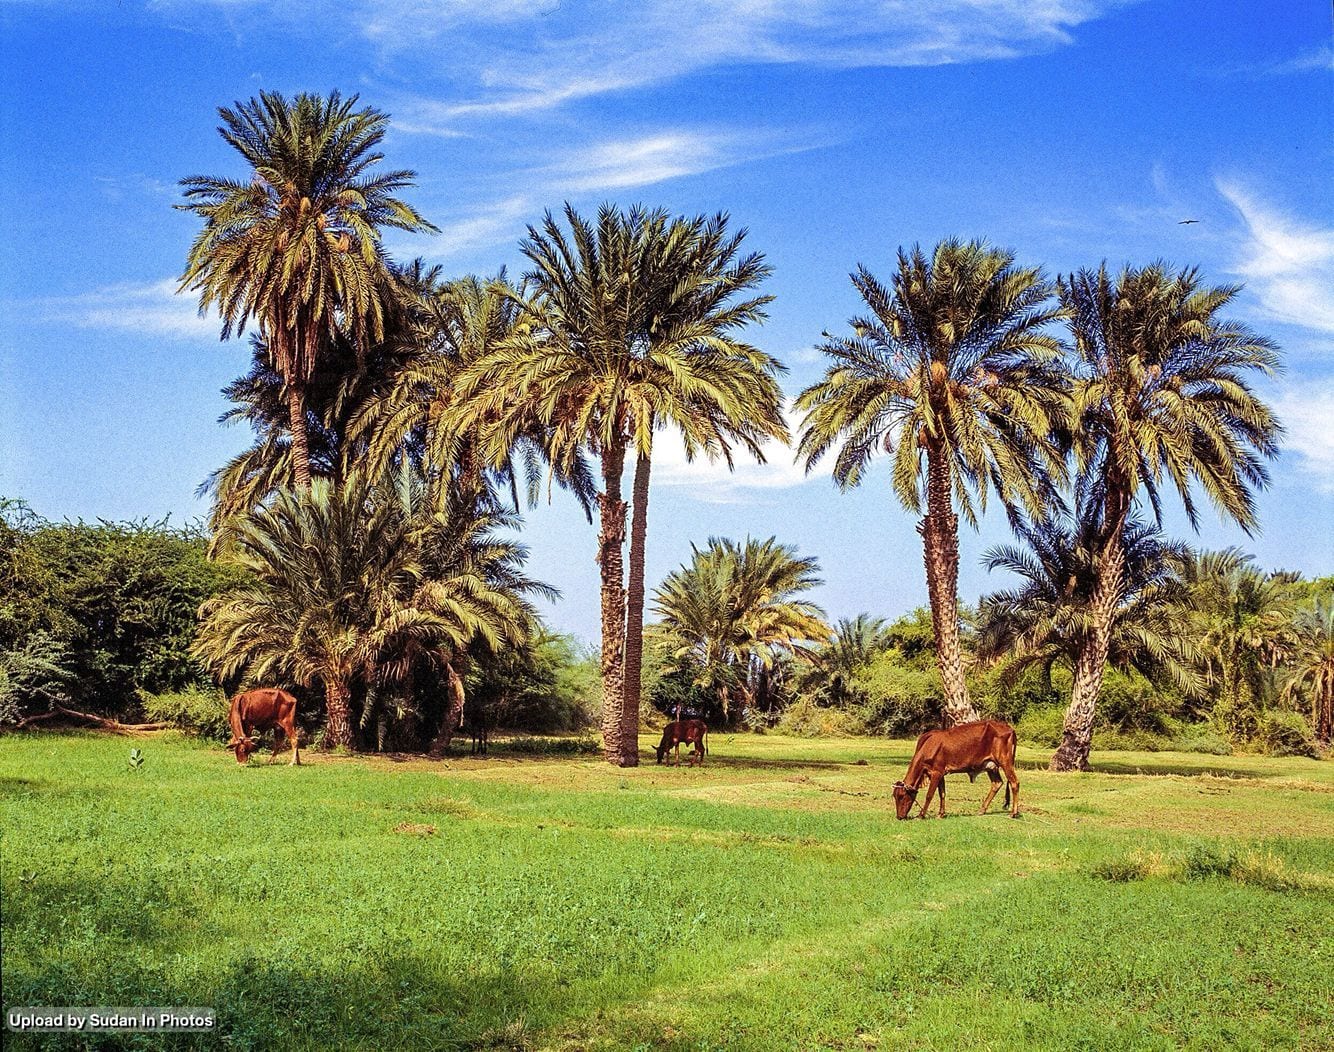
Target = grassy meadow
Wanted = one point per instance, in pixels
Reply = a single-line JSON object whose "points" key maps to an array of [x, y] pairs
{"points": [[766, 900]]}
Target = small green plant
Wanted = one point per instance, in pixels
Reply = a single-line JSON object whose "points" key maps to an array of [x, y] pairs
{"points": [[136, 759], [1204, 860]]}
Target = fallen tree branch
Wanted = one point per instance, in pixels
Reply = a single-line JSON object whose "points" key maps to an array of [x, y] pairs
{"points": [[101, 721]]}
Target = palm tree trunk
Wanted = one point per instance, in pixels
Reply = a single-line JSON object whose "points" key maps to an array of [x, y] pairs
{"points": [[1091, 663], [940, 550], [453, 713], [296, 416], [337, 702], [634, 616], [611, 540]]}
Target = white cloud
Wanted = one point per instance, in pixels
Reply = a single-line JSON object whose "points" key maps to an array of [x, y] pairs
{"points": [[1316, 60], [712, 482], [152, 308], [1307, 412], [1287, 262]]}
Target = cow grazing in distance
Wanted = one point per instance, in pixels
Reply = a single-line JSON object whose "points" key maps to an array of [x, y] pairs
{"points": [[690, 732], [261, 710], [969, 748]]}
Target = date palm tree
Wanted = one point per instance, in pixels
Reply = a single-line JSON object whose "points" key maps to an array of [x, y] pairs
{"points": [[1242, 620], [734, 613], [1045, 620], [349, 582], [1311, 667], [954, 374], [630, 328], [1161, 400], [296, 246], [451, 326]]}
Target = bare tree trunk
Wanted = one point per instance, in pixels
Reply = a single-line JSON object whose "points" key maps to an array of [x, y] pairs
{"points": [[611, 540], [1077, 736], [338, 728], [940, 549], [453, 713], [634, 616]]}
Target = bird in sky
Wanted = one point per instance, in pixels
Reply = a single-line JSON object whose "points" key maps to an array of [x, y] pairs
{"points": [[1183, 222]]}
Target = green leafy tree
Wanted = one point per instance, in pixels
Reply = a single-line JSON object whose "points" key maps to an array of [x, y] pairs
{"points": [[630, 328], [954, 374], [296, 246], [1161, 401]]}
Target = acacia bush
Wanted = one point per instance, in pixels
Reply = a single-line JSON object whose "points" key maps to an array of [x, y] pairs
{"points": [[1281, 733], [200, 711]]}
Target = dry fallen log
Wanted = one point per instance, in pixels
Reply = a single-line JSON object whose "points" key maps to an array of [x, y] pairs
{"points": [[101, 721]]}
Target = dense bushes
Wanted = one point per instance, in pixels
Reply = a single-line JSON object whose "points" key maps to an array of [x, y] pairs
{"points": [[94, 614]]}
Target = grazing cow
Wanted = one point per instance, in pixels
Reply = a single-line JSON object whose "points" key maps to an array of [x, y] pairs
{"points": [[261, 710], [477, 723], [969, 748], [691, 732]]}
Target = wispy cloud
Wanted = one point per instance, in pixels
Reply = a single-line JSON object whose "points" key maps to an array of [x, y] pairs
{"points": [[1316, 60], [151, 308], [1286, 261], [665, 154], [517, 57], [1306, 412]]}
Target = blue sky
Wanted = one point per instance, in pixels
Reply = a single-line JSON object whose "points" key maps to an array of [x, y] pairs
{"points": [[1071, 131]]}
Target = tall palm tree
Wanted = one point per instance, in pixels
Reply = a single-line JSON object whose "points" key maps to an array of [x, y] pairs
{"points": [[1311, 667], [1045, 621], [630, 328], [296, 246], [452, 325], [1161, 399], [733, 613], [954, 374]]}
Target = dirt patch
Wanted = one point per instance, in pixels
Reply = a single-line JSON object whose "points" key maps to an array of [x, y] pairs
{"points": [[415, 829]]}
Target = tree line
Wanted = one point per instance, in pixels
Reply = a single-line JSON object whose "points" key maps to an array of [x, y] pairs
{"points": [[400, 419]]}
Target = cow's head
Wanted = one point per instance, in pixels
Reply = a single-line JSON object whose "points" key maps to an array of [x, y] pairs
{"points": [[904, 798], [243, 748], [661, 750]]}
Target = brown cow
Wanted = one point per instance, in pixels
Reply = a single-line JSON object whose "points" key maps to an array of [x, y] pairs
{"points": [[261, 710], [691, 732], [969, 748]]}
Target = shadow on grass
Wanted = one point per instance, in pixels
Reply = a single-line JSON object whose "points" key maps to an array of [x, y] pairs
{"points": [[398, 1002], [1213, 766]]}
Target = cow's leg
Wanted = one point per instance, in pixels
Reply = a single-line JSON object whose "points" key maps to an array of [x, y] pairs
{"points": [[933, 786], [1012, 788], [995, 787], [941, 791]]}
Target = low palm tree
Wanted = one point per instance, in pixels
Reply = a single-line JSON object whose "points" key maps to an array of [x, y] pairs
{"points": [[1161, 400], [296, 247], [956, 377], [1311, 667], [350, 585], [1242, 621], [629, 329], [853, 645], [733, 614]]}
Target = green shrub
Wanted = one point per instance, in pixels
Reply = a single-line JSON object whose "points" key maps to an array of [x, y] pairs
{"points": [[1042, 726], [901, 700], [1206, 860], [805, 719], [1133, 740], [585, 746], [196, 710], [1199, 737], [1281, 733]]}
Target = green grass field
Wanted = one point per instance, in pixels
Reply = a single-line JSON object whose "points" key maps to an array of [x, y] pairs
{"points": [[766, 900]]}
